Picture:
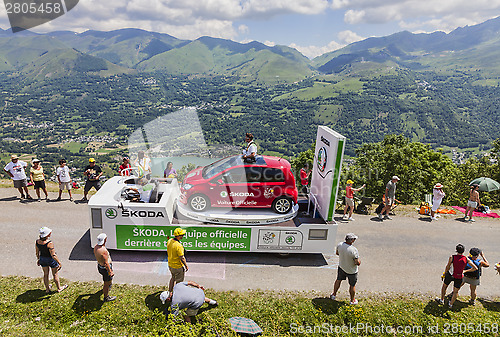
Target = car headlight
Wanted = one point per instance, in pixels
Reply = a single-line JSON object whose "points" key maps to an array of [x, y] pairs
{"points": [[187, 187]]}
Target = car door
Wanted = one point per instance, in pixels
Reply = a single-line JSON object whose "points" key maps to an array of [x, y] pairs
{"points": [[272, 185], [229, 189]]}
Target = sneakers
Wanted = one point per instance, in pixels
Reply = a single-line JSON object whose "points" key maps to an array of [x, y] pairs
{"points": [[350, 219], [380, 216], [439, 301], [38, 199], [472, 220], [472, 302], [355, 302], [70, 199], [433, 218], [58, 199], [29, 197], [333, 297], [344, 217], [466, 218], [22, 196], [84, 199], [450, 305], [386, 217], [109, 298], [213, 303]]}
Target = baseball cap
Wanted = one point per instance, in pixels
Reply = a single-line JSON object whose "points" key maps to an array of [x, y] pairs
{"points": [[350, 181], [44, 231], [100, 238], [14, 156], [91, 160], [395, 177], [179, 231], [351, 236], [163, 296], [35, 160]]}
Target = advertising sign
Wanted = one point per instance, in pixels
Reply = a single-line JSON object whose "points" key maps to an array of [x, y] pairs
{"points": [[326, 170], [152, 237]]}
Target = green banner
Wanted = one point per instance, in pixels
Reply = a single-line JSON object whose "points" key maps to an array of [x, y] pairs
{"points": [[196, 238]]}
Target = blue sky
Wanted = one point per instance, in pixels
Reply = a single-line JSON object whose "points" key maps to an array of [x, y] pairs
{"points": [[312, 26]]}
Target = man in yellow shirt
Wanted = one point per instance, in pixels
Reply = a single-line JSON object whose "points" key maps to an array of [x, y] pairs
{"points": [[176, 259]]}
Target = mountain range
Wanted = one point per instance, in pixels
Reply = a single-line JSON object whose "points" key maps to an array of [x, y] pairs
{"points": [[130, 50]]}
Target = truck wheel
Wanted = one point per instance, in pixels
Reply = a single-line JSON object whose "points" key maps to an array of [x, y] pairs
{"points": [[282, 205], [199, 203]]}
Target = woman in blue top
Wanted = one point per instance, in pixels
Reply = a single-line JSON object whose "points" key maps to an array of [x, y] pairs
{"points": [[472, 278]]}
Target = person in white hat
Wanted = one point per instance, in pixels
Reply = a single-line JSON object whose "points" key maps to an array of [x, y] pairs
{"points": [[15, 169], [390, 198], [348, 266], [37, 178], [46, 258], [104, 266], [437, 198]]}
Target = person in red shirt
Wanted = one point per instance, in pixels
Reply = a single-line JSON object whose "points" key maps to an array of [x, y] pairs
{"points": [[125, 167], [305, 172], [458, 261], [349, 199]]}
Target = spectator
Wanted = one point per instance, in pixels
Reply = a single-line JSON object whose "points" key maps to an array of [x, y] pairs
{"points": [[15, 169], [348, 266], [390, 198], [437, 198], [47, 258], [92, 172], [305, 172], [64, 179], [472, 203], [459, 262], [144, 164], [349, 199], [250, 152], [176, 260], [38, 178], [125, 167], [170, 172], [104, 266], [472, 278], [187, 295]]}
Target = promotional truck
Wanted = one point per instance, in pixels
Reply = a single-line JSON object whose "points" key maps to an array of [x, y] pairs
{"points": [[141, 214]]}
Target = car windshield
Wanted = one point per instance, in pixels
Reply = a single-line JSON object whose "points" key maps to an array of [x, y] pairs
{"points": [[215, 168]]}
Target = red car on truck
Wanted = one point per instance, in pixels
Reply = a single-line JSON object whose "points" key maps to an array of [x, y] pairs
{"points": [[267, 182]]}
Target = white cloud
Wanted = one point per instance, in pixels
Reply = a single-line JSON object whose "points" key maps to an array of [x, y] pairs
{"points": [[347, 37], [269, 43], [243, 29], [313, 51]]}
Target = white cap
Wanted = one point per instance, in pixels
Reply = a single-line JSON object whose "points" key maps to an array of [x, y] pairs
{"points": [[163, 296], [395, 178], [100, 238], [44, 232], [351, 236]]}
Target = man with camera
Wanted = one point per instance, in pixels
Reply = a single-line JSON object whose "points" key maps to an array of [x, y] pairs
{"points": [[92, 172]]}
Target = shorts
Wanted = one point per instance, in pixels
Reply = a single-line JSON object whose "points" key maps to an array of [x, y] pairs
{"points": [[48, 261], [20, 183], [349, 202], [472, 204], [342, 275], [177, 274], [457, 282], [192, 312], [65, 186], [471, 281], [39, 184], [389, 201], [89, 184], [104, 272]]}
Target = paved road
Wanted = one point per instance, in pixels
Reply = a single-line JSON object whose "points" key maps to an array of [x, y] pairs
{"points": [[407, 254]]}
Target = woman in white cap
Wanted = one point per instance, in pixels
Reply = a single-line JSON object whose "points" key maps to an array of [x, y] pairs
{"points": [[47, 258], [437, 198], [38, 178]]}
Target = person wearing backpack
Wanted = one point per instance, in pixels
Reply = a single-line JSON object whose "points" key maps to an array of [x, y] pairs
{"points": [[472, 278]]}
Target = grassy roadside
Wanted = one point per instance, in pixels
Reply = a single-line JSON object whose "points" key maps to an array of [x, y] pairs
{"points": [[25, 310]]}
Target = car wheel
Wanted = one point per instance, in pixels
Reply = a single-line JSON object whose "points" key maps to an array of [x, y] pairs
{"points": [[282, 205], [199, 203]]}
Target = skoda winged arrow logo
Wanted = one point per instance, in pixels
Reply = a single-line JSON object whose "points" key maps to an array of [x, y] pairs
{"points": [[111, 213]]}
